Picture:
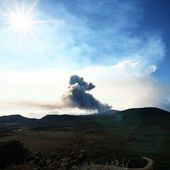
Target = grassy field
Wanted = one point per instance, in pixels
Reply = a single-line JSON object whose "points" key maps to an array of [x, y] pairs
{"points": [[106, 138], [101, 147], [43, 140]]}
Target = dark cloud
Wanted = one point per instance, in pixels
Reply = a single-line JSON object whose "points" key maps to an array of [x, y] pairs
{"points": [[80, 81], [78, 96]]}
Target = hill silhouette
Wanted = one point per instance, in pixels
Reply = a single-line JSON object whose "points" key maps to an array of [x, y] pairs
{"points": [[149, 115]]}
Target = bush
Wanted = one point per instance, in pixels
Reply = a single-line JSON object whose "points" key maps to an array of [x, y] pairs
{"points": [[12, 152]]}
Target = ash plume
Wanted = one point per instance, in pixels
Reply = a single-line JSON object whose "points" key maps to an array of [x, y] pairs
{"points": [[78, 95]]}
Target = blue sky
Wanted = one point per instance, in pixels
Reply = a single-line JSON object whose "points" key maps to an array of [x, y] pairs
{"points": [[124, 40], [100, 32], [156, 18]]}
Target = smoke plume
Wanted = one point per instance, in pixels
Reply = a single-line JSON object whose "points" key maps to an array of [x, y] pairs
{"points": [[78, 95]]}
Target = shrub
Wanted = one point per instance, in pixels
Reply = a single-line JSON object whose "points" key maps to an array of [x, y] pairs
{"points": [[12, 152]]}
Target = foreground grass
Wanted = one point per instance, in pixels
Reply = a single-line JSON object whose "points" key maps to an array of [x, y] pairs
{"points": [[83, 167]]}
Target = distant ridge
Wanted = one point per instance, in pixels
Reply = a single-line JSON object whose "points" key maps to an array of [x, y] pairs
{"points": [[54, 118], [150, 109], [148, 113], [15, 119]]}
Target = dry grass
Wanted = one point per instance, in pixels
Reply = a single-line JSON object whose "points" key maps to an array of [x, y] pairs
{"points": [[84, 167], [114, 166]]}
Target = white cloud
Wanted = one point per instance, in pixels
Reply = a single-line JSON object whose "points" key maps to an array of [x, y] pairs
{"points": [[124, 85], [128, 84]]}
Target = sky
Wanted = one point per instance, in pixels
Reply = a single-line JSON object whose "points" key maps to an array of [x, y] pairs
{"points": [[121, 46]]}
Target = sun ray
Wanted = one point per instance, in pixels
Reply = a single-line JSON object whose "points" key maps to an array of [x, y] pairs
{"points": [[43, 21], [32, 7], [18, 18], [5, 30], [23, 7], [6, 7]]}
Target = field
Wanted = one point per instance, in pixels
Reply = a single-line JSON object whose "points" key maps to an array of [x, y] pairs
{"points": [[103, 138]]}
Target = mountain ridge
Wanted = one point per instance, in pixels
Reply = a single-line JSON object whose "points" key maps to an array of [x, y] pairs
{"points": [[142, 112], [66, 116]]}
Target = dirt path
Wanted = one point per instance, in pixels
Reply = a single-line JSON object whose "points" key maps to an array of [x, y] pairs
{"points": [[147, 167]]}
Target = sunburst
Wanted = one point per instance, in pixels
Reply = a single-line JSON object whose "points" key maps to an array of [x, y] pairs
{"points": [[19, 19]]}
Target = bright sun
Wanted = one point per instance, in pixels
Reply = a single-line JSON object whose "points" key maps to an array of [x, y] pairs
{"points": [[21, 22], [19, 18]]}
